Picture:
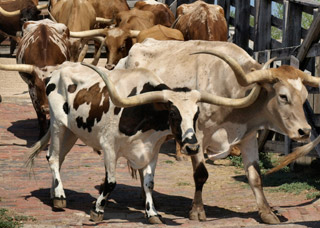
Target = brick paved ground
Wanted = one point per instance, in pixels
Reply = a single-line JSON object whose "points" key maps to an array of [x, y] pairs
{"points": [[229, 202]]}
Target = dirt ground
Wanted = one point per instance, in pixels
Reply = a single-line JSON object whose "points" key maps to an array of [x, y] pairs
{"points": [[229, 202]]}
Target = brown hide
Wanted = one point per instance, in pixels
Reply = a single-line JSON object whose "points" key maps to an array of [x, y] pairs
{"points": [[43, 52], [109, 8], [163, 14], [118, 40], [202, 21], [11, 25], [160, 32], [77, 15], [135, 19]]}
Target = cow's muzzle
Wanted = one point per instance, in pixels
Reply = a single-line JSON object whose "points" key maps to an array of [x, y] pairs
{"points": [[304, 134], [110, 66], [190, 146], [192, 149]]}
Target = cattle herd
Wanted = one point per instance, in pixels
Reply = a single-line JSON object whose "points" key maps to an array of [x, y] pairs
{"points": [[167, 76]]}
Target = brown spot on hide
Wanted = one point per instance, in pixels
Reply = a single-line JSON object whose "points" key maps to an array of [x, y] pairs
{"points": [[92, 96]]}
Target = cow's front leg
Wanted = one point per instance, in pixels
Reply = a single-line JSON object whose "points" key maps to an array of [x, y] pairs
{"points": [[40, 103], [96, 214], [200, 176], [148, 184], [250, 156]]}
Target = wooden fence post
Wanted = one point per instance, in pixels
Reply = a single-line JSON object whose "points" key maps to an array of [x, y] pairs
{"points": [[292, 24], [262, 25], [225, 4], [242, 23]]}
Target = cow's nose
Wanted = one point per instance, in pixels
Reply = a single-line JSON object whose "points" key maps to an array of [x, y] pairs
{"points": [[23, 20], [304, 132], [110, 66], [192, 149]]}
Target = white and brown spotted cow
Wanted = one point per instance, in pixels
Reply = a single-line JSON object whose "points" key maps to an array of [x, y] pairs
{"points": [[142, 114], [278, 107], [45, 45]]}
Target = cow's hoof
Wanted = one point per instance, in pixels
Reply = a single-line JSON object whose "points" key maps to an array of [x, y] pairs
{"points": [[59, 203], [269, 218], [96, 216], [197, 214], [155, 220]]}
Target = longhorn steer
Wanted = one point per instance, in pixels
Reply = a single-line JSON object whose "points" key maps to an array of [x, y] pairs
{"points": [[150, 112], [44, 44], [279, 106], [12, 16], [202, 21]]}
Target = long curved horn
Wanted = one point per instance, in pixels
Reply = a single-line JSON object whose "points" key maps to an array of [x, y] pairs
{"points": [[267, 64], [24, 68], [242, 78], [87, 33], [43, 6], [104, 20], [144, 98], [9, 14], [310, 80], [229, 102], [134, 33]]}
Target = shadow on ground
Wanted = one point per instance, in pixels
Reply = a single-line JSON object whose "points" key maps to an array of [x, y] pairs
{"points": [[26, 130], [126, 198]]}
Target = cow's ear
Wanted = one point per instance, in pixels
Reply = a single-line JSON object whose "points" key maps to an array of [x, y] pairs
{"points": [[67, 32], [162, 106], [128, 43]]}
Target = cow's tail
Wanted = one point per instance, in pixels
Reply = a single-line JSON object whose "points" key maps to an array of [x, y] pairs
{"points": [[298, 152], [37, 148]]}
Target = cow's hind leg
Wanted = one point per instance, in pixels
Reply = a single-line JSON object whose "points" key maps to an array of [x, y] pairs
{"points": [[61, 143], [250, 157], [200, 176], [96, 214]]}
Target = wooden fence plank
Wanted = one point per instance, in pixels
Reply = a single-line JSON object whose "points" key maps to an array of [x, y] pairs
{"points": [[262, 25], [242, 19]]}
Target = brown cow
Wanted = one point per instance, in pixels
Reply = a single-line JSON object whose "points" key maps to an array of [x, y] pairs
{"points": [[202, 21], [162, 13], [77, 15], [43, 44], [12, 16]]}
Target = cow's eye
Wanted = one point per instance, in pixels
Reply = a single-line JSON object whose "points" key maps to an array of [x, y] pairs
{"points": [[172, 114], [283, 98], [122, 48]]}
